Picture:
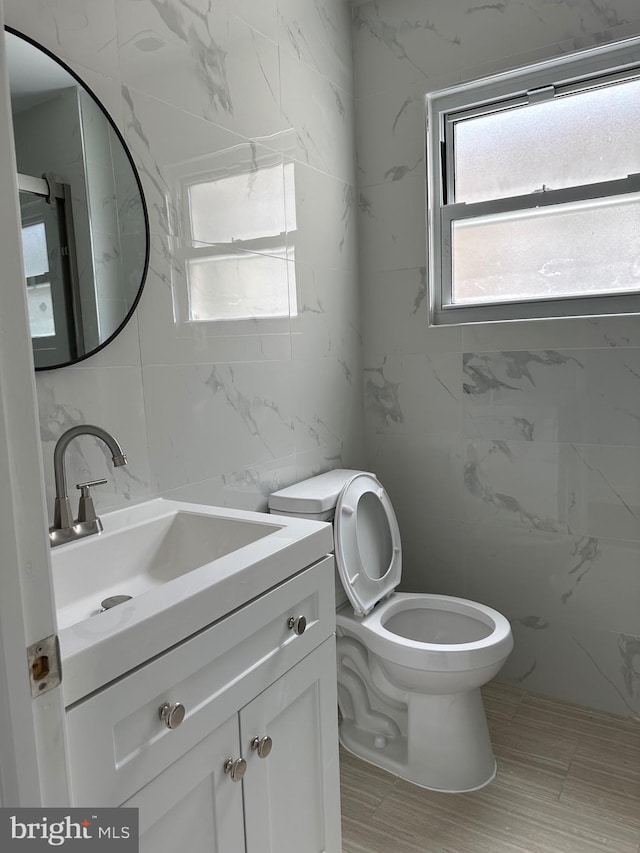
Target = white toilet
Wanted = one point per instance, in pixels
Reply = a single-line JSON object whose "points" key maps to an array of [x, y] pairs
{"points": [[410, 665]]}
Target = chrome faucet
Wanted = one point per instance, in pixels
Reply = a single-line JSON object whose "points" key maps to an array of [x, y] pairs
{"points": [[65, 528]]}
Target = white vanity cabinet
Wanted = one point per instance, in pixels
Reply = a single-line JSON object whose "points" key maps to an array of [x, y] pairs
{"points": [[193, 805], [292, 796], [254, 678]]}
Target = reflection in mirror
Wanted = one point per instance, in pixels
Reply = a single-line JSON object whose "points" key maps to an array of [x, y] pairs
{"points": [[49, 276], [237, 236], [84, 220]]}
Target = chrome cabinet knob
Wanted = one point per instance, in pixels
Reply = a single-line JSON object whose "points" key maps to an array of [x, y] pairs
{"points": [[297, 624], [172, 714], [235, 769], [262, 745]]}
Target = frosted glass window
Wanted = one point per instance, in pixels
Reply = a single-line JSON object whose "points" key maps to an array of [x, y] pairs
{"points": [[34, 250], [534, 190], [542, 254], [572, 140]]}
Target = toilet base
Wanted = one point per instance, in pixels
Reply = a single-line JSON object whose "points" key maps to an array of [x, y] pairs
{"points": [[447, 748]]}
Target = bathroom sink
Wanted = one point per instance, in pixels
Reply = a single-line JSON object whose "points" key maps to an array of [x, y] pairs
{"points": [[161, 571], [133, 560]]}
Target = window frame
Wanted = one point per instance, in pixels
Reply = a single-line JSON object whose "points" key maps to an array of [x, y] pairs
{"points": [[529, 84]]}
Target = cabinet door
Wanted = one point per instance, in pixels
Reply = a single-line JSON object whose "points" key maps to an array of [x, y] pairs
{"points": [[292, 796], [192, 805]]}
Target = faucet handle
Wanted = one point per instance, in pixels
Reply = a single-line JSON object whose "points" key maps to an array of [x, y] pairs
{"points": [[86, 510], [84, 487]]}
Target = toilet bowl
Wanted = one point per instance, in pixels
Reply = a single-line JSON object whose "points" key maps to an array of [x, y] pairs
{"points": [[410, 665]]}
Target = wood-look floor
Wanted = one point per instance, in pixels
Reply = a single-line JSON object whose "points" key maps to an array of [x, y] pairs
{"points": [[568, 781]]}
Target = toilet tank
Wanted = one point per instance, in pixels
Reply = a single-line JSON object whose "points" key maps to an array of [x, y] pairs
{"points": [[314, 498]]}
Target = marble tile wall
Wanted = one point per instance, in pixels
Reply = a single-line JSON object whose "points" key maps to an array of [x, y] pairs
{"points": [[511, 451], [221, 412]]}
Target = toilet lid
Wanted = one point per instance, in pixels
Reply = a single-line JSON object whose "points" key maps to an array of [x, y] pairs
{"points": [[367, 543]]}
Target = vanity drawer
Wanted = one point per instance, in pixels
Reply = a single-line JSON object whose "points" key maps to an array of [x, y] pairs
{"points": [[117, 740]]}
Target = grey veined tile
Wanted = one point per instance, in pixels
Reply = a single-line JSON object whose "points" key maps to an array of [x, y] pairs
{"points": [[582, 490], [580, 396], [212, 65], [416, 394], [521, 484], [521, 395]]}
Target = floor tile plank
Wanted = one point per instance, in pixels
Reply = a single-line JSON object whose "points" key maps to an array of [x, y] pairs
{"points": [[568, 781]]}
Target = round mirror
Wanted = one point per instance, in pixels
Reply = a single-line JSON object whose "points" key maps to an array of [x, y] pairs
{"points": [[85, 229]]}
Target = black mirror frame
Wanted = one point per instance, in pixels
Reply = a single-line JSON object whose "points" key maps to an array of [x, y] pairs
{"points": [[136, 175]]}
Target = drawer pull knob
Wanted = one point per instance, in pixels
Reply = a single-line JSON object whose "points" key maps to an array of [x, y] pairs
{"points": [[172, 715], [262, 745], [297, 624], [235, 769]]}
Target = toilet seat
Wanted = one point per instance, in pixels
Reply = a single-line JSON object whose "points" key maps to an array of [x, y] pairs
{"points": [[367, 543], [494, 645]]}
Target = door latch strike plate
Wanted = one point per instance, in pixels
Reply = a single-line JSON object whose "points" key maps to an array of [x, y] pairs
{"points": [[45, 667]]}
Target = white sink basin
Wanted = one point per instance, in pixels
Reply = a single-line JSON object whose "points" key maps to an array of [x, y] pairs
{"points": [[184, 566], [136, 559]]}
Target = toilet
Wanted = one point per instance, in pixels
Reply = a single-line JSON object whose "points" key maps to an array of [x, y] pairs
{"points": [[410, 665]]}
